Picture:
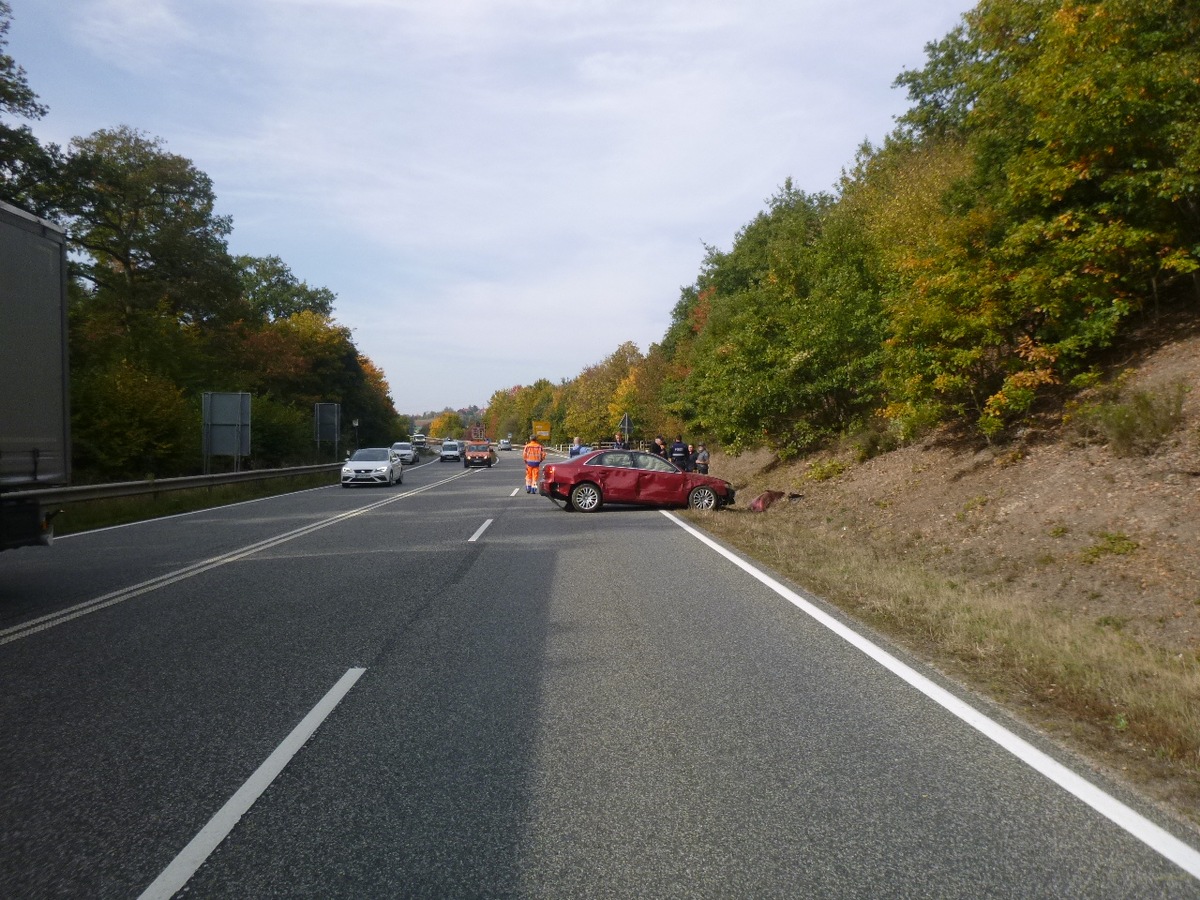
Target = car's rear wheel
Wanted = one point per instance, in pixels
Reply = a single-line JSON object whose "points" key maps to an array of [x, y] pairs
{"points": [[702, 498], [586, 497], [400, 479]]}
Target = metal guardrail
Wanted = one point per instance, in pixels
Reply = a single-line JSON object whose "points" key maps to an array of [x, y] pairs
{"points": [[162, 485]]}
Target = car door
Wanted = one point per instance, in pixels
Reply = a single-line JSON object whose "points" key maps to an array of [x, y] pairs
{"points": [[615, 473], [659, 482]]}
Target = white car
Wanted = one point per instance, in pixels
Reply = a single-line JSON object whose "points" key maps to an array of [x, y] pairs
{"points": [[373, 465], [451, 450], [409, 455]]}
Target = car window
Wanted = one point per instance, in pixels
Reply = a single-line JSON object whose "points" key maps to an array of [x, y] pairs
{"points": [[616, 459], [370, 455], [654, 463]]}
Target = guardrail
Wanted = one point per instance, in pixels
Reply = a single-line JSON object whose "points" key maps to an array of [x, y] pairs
{"points": [[162, 485]]}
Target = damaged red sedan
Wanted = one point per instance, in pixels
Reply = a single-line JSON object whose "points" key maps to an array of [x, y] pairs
{"points": [[589, 481]]}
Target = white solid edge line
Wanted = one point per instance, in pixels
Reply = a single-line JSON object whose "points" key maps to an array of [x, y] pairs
{"points": [[1157, 838], [191, 857], [482, 528]]}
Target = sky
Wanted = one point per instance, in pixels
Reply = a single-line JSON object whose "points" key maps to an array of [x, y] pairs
{"points": [[497, 191]]}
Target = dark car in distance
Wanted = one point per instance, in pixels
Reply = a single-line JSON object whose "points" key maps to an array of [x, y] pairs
{"points": [[588, 481]]}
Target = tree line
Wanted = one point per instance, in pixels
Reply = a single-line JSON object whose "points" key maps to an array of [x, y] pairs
{"points": [[161, 312], [1037, 201]]}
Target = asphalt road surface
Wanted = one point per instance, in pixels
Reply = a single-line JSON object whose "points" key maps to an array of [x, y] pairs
{"points": [[451, 688]]}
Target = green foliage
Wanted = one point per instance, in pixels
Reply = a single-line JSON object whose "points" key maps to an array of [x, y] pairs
{"points": [[1081, 120], [26, 167], [1109, 544], [273, 292], [131, 423]]}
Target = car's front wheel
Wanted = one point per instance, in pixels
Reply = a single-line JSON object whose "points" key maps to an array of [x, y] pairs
{"points": [[586, 497], [702, 498]]}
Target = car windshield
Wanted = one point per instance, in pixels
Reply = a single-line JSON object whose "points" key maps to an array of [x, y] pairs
{"points": [[370, 454], [401, 446], [477, 446]]}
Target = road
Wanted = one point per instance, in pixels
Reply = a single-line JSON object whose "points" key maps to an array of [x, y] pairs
{"points": [[451, 688]]}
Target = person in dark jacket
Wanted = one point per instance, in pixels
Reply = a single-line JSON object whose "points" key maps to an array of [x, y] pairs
{"points": [[679, 452], [702, 460], [659, 447]]}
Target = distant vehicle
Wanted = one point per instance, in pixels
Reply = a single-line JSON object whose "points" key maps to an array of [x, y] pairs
{"points": [[478, 453], [373, 465], [589, 481], [451, 450], [35, 419], [418, 440], [505, 444], [407, 452]]}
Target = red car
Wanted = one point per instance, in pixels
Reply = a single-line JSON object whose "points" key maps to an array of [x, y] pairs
{"points": [[589, 481]]}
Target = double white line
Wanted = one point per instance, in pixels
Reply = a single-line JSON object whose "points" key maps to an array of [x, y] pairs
{"points": [[33, 626]]}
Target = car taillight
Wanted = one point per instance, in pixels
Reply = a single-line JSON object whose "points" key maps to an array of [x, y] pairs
{"points": [[549, 472]]}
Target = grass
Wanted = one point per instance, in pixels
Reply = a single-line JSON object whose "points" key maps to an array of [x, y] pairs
{"points": [[1131, 423], [87, 515], [1089, 673]]}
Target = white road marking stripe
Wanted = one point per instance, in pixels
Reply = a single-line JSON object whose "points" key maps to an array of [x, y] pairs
{"points": [[482, 528], [1156, 838], [42, 623], [515, 492], [192, 857]]}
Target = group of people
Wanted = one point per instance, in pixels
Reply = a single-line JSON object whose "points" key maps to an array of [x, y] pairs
{"points": [[689, 457]]}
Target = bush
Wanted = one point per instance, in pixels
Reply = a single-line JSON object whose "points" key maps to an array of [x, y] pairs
{"points": [[1134, 422]]}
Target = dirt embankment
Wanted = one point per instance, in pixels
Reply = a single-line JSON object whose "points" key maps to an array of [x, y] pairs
{"points": [[1049, 521]]}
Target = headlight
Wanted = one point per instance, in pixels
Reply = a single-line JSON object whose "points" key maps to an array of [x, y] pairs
{"points": [[346, 470], [381, 468]]}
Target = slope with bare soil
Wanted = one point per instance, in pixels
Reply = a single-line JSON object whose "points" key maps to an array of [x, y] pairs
{"points": [[1053, 573]]}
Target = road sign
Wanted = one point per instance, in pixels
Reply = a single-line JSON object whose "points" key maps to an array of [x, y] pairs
{"points": [[626, 426], [541, 429]]}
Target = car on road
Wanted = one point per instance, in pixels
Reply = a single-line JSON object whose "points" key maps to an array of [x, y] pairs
{"points": [[451, 450], [589, 481], [505, 444], [373, 465], [478, 453], [409, 455], [418, 440]]}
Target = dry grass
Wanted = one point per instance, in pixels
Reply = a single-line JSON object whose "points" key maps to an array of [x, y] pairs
{"points": [[1066, 620]]}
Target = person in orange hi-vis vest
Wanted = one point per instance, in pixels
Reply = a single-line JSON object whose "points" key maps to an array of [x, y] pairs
{"points": [[534, 454]]}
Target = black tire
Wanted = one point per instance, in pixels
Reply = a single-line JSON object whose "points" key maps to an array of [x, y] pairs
{"points": [[400, 480], [586, 497], [345, 485], [702, 497]]}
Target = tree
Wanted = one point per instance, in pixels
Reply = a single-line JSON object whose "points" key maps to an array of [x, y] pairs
{"points": [[447, 424], [273, 292], [27, 169], [146, 220]]}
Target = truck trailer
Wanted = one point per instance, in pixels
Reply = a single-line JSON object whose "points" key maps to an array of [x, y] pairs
{"points": [[35, 420]]}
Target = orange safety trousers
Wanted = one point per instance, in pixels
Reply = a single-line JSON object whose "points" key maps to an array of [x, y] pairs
{"points": [[533, 454]]}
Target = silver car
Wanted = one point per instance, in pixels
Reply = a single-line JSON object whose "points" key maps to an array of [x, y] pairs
{"points": [[451, 450], [373, 465], [407, 452]]}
